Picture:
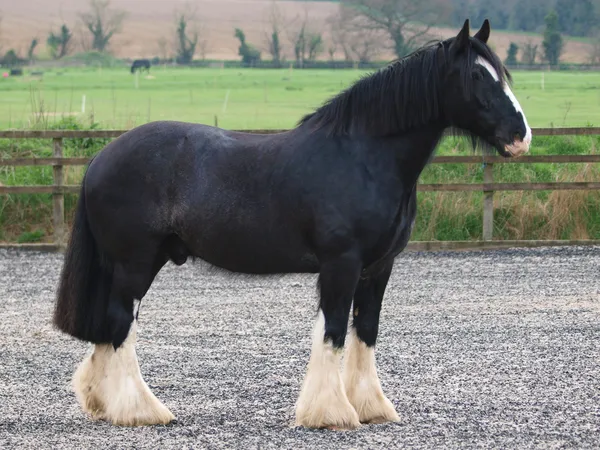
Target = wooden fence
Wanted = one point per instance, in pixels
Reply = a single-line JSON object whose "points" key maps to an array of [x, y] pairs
{"points": [[58, 189]]}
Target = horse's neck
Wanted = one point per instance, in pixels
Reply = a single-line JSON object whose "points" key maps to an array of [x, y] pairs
{"points": [[414, 150]]}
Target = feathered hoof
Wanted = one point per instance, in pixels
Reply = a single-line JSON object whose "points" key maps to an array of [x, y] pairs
{"points": [[335, 415], [378, 409], [109, 386], [124, 400]]}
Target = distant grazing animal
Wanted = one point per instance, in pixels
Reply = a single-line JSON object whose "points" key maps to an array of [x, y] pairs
{"points": [[140, 64], [336, 195]]}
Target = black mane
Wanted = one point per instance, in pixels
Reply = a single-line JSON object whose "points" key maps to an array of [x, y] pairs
{"points": [[404, 95]]}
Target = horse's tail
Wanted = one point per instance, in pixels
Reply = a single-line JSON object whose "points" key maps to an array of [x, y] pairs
{"points": [[85, 283]]}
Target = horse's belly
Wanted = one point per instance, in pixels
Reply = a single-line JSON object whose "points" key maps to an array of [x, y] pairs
{"points": [[258, 253]]}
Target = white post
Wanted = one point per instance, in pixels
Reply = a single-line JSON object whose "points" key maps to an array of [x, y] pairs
{"points": [[225, 102], [83, 104], [542, 81]]}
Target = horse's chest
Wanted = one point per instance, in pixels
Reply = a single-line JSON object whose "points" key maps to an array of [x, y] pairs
{"points": [[398, 237], [392, 239]]}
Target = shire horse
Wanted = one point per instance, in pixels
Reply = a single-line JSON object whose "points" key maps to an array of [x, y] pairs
{"points": [[334, 196], [140, 64]]}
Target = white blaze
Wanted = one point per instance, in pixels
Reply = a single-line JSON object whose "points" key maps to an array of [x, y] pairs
{"points": [[483, 62]]}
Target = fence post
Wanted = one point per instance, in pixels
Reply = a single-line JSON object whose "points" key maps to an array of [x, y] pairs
{"points": [[488, 203], [58, 198]]}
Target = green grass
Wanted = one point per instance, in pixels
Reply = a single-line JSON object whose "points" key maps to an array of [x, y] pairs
{"points": [[266, 98], [277, 99]]}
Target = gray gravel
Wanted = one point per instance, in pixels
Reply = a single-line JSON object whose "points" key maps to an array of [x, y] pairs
{"points": [[498, 349]]}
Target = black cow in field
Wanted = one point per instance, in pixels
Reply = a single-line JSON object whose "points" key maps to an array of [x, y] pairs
{"points": [[140, 64]]}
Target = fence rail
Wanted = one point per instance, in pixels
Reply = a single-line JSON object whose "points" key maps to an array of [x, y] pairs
{"points": [[58, 189]]}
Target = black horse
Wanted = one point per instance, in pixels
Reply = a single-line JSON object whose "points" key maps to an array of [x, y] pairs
{"points": [[140, 64], [335, 196]]}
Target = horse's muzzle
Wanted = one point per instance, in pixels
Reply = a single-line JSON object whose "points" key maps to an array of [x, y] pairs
{"points": [[518, 148]]}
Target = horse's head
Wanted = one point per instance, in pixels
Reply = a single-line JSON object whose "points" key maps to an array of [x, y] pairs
{"points": [[478, 98]]}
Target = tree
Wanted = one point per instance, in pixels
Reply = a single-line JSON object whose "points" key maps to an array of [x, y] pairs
{"points": [[300, 45], [356, 41], [186, 44], [31, 50], [307, 42], [298, 36], [331, 49], [498, 13], [594, 54], [11, 58], [203, 48], [405, 22], [315, 46], [553, 41], [529, 53], [511, 57], [460, 9], [163, 48], [340, 35], [102, 22], [60, 44], [273, 37], [528, 15], [187, 35], [576, 17], [249, 54]]}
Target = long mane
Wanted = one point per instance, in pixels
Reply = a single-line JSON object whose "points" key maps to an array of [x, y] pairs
{"points": [[406, 94]]}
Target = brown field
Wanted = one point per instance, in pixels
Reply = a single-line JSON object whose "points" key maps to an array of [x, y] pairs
{"points": [[150, 20]]}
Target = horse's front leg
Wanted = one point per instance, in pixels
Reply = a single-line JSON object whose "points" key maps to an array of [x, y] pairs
{"points": [[360, 374], [322, 402]]}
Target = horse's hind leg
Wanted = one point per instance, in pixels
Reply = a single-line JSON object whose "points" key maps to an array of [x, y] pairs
{"points": [[360, 374], [108, 383], [322, 402]]}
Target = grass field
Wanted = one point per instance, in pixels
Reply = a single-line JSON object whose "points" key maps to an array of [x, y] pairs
{"points": [[257, 99], [246, 98]]}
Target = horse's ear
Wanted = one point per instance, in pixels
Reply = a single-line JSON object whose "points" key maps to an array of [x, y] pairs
{"points": [[462, 38], [484, 32]]}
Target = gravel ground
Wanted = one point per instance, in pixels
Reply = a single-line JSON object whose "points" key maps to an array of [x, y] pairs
{"points": [[496, 349]]}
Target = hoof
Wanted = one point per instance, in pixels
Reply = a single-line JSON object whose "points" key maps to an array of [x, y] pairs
{"points": [[322, 421], [380, 411], [362, 384], [327, 412], [109, 386], [123, 401]]}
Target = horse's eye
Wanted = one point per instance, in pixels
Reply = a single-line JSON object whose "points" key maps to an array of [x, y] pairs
{"points": [[477, 75]]}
